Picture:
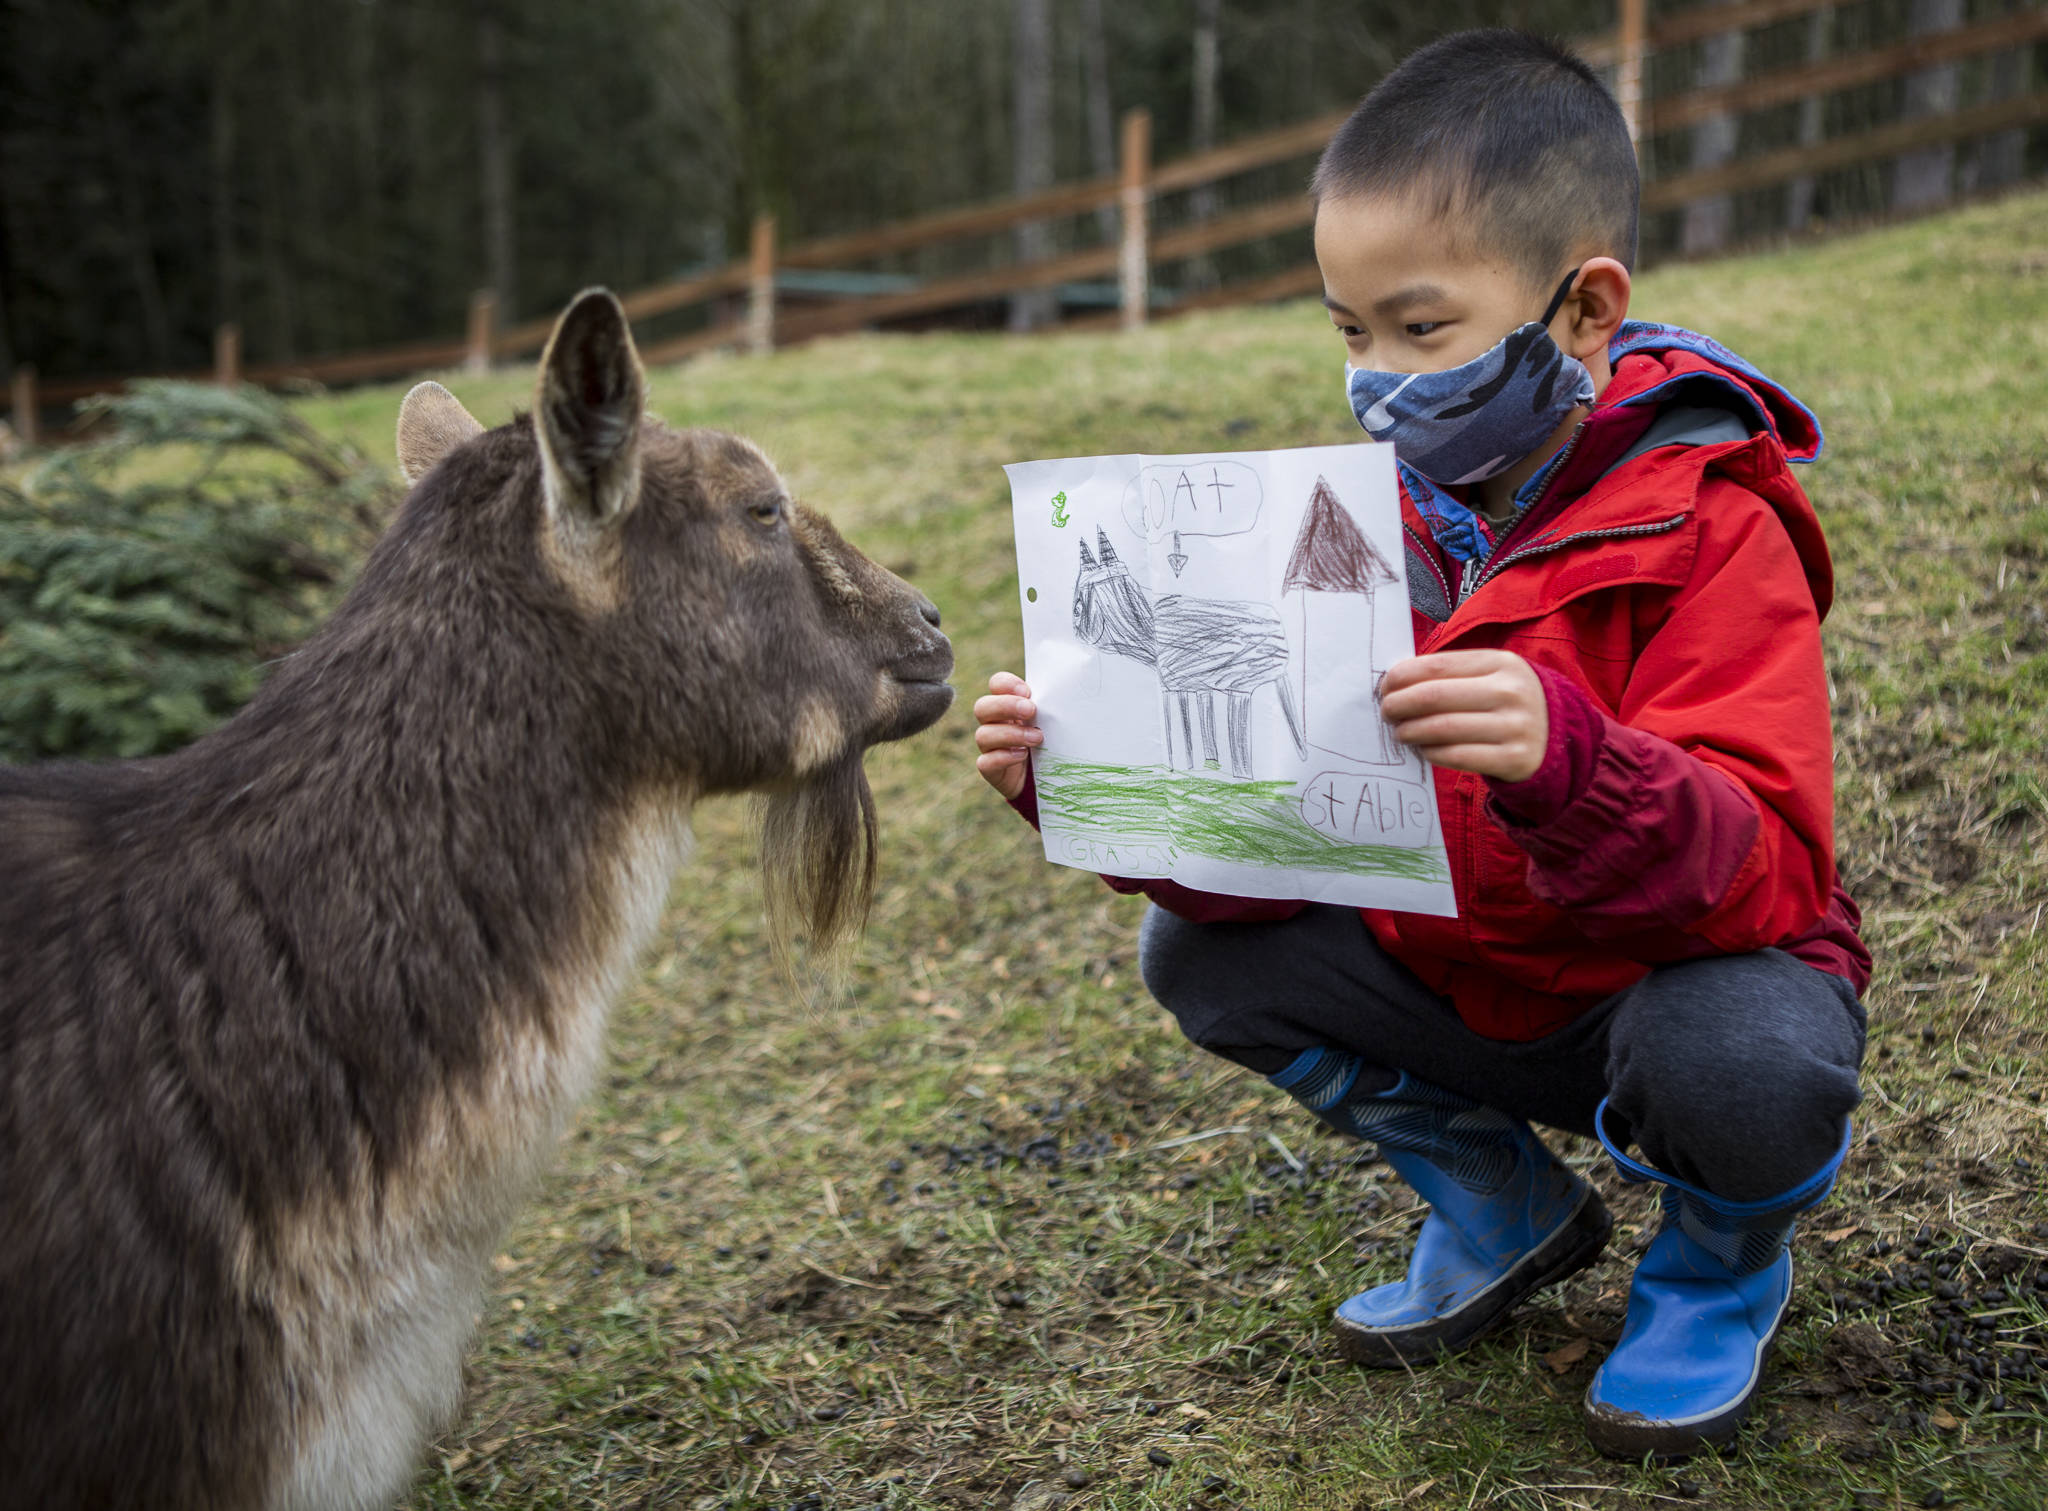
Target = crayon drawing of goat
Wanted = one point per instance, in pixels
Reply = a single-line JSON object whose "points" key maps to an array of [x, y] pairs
{"points": [[1200, 647], [289, 1019]]}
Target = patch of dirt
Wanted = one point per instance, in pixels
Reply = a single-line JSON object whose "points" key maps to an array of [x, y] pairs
{"points": [[1942, 1323], [1862, 1356]]}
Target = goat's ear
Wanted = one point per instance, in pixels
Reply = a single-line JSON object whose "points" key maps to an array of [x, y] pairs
{"points": [[587, 412], [431, 423]]}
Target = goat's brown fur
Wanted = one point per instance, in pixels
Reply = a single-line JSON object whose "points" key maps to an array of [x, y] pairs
{"points": [[289, 1018]]}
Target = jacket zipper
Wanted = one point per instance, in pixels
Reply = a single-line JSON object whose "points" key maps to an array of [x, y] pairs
{"points": [[1550, 471], [1500, 562], [1475, 572]]}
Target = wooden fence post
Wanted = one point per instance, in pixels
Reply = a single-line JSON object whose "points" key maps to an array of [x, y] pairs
{"points": [[1133, 281], [27, 407], [483, 329], [1628, 64], [227, 354], [761, 287]]}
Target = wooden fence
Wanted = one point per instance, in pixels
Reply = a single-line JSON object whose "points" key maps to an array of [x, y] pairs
{"points": [[749, 303]]}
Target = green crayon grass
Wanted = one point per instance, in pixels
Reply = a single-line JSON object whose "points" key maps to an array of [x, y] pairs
{"points": [[1258, 823]]}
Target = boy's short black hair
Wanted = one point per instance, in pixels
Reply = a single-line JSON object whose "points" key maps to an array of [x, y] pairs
{"points": [[1511, 134]]}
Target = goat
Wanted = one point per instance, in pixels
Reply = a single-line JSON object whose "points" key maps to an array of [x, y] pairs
{"points": [[289, 1019]]}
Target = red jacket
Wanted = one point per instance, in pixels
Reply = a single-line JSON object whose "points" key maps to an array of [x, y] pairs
{"points": [[1670, 599]]}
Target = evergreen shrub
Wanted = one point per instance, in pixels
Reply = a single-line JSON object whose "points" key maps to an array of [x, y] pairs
{"points": [[146, 580]]}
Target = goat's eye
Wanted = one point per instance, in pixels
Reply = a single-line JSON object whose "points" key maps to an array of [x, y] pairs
{"points": [[766, 511]]}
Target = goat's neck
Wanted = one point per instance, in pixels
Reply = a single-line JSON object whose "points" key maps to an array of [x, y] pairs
{"points": [[432, 850]]}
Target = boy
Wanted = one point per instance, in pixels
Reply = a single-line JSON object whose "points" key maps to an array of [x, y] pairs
{"points": [[1617, 590]]}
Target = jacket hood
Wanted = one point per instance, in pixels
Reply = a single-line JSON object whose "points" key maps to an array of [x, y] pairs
{"points": [[1661, 370], [1659, 365], [1676, 386]]}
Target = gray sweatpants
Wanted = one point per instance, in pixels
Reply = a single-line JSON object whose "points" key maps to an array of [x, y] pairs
{"points": [[1732, 1072]]}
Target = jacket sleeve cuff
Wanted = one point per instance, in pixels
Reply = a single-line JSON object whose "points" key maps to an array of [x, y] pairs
{"points": [[1577, 732], [1026, 800]]}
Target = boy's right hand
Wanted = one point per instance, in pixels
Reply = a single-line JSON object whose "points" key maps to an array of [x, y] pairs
{"points": [[1005, 734]]}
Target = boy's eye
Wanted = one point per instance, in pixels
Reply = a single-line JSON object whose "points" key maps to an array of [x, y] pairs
{"points": [[1350, 332], [1423, 327]]}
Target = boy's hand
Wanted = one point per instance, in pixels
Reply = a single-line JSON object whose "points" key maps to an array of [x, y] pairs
{"points": [[1480, 711], [1005, 734]]}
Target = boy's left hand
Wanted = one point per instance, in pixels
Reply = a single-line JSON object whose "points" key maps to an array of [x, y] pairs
{"points": [[1480, 711]]}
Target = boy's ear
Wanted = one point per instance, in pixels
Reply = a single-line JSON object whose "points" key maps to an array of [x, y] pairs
{"points": [[1596, 307]]}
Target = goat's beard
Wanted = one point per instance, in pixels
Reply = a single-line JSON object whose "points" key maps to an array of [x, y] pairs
{"points": [[818, 857]]}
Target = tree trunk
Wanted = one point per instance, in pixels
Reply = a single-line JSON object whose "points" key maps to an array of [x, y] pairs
{"points": [[277, 271], [494, 159], [1101, 107], [6, 344], [310, 170], [992, 60], [368, 219], [1799, 194], [1201, 271], [2001, 159], [141, 252], [1031, 147], [227, 271], [749, 129], [1925, 176], [1709, 222]]}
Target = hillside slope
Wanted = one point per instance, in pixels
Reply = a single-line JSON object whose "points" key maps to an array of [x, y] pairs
{"points": [[946, 1228]]}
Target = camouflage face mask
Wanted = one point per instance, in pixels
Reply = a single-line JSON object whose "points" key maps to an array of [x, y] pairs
{"points": [[1476, 420]]}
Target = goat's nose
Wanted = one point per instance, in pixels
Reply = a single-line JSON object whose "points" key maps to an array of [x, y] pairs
{"points": [[929, 610]]}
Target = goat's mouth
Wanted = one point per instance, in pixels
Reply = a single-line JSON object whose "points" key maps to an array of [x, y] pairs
{"points": [[921, 690], [931, 662]]}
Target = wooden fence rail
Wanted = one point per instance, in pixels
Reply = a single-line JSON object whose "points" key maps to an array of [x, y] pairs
{"points": [[1843, 151], [742, 295], [1783, 85]]}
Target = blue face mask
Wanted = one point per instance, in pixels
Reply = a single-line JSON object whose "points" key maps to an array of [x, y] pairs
{"points": [[1476, 420]]}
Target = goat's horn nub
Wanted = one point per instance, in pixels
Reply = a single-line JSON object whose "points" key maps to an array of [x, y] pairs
{"points": [[1102, 544], [1086, 559]]}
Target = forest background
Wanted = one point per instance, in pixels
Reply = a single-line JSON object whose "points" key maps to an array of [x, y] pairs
{"points": [[338, 175]]}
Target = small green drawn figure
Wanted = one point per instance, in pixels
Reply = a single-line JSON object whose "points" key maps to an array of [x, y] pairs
{"points": [[1059, 510]]}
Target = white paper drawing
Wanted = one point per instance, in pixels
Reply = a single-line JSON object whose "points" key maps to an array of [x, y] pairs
{"points": [[1204, 637]]}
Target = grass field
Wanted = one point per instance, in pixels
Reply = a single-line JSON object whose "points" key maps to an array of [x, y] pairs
{"points": [[973, 1227]]}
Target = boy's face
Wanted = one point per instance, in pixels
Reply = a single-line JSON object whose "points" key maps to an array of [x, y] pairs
{"points": [[1406, 294]]}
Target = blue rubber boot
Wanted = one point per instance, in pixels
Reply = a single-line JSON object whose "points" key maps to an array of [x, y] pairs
{"points": [[1505, 1217], [1703, 1311]]}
